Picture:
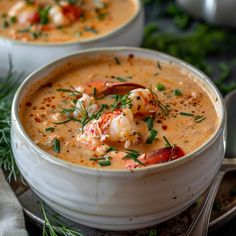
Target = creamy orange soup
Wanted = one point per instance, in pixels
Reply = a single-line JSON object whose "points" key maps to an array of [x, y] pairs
{"points": [[61, 21], [119, 112]]}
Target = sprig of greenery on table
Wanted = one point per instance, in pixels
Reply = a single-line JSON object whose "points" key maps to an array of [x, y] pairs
{"points": [[8, 85], [54, 226]]}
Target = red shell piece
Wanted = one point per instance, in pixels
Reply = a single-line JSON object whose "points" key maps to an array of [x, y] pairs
{"points": [[72, 12], [34, 18], [163, 155]]}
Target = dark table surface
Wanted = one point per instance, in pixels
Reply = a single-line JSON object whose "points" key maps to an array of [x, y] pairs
{"points": [[228, 229]]}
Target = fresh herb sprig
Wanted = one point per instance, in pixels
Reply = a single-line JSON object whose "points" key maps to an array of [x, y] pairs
{"points": [[53, 226], [8, 86], [132, 154]]}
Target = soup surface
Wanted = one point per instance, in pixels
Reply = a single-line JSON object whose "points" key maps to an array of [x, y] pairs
{"points": [[118, 112], [54, 21]]}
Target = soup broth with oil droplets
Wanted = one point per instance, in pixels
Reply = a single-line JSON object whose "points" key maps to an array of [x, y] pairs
{"points": [[119, 112], [63, 21]]}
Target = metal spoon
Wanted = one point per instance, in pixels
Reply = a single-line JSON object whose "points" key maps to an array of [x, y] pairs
{"points": [[200, 226]]}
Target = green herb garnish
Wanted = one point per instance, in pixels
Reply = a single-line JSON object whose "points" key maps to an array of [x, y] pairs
{"points": [[104, 162], [117, 61], [132, 154], [8, 85], [50, 129], [167, 142], [56, 145], [159, 65], [122, 78], [94, 92], [54, 226], [160, 87], [44, 15], [152, 135], [149, 121], [73, 91], [199, 119], [63, 122], [186, 114], [110, 149], [102, 15], [164, 109], [122, 102], [177, 92]]}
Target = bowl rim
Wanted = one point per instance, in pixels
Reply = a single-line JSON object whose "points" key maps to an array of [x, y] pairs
{"points": [[96, 39], [160, 167]]}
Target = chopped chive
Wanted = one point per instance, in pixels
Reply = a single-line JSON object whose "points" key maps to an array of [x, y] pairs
{"points": [[177, 92], [104, 162], [167, 142], [63, 122], [200, 120], [94, 92], [186, 114], [74, 91], [152, 135], [13, 19], [110, 149], [149, 121], [102, 16], [117, 60], [49, 128], [158, 65], [5, 24], [123, 79], [56, 145], [96, 158], [132, 154], [160, 87]]}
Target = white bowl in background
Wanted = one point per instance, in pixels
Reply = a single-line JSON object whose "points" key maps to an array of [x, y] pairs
{"points": [[117, 199], [29, 56]]}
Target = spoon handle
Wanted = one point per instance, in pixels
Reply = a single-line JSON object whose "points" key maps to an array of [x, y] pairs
{"points": [[200, 225]]}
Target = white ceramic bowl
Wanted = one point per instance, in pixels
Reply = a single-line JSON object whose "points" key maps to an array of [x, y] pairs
{"points": [[117, 199], [28, 56]]}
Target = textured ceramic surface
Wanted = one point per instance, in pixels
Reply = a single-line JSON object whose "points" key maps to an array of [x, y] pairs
{"points": [[29, 56], [213, 11], [118, 200]]}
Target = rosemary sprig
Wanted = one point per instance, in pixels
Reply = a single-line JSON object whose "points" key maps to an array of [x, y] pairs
{"points": [[53, 226], [73, 91], [164, 109], [8, 85]]}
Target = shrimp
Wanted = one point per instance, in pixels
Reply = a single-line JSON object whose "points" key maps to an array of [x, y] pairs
{"points": [[85, 103], [112, 126], [143, 101], [25, 13], [64, 15]]}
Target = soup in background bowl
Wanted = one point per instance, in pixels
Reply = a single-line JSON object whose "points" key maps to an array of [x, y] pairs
{"points": [[118, 138], [36, 32]]}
